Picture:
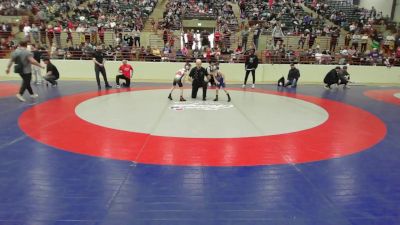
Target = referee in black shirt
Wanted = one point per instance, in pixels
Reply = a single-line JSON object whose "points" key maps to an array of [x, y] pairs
{"points": [[200, 78], [98, 59]]}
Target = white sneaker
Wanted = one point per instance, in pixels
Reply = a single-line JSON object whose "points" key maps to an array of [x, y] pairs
{"points": [[243, 86], [253, 86], [22, 99], [118, 86], [34, 96]]}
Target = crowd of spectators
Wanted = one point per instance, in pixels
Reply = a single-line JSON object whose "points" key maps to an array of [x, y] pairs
{"points": [[89, 20], [349, 16], [45, 10], [177, 10]]}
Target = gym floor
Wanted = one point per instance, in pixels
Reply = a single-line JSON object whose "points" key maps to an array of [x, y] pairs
{"points": [[278, 156]]}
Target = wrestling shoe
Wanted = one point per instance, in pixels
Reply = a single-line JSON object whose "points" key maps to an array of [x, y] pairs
{"points": [[216, 98], [229, 98], [169, 97], [253, 86], [118, 86], [182, 99]]}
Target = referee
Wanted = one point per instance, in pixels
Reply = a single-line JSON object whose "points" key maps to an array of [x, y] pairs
{"points": [[200, 78]]}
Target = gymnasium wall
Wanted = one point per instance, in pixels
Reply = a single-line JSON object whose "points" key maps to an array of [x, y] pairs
{"points": [[266, 73], [380, 5]]}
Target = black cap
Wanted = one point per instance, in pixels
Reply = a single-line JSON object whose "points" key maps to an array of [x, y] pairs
{"points": [[338, 68]]}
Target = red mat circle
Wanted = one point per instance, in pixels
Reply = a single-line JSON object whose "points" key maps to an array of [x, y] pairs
{"points": [[347, 131]]}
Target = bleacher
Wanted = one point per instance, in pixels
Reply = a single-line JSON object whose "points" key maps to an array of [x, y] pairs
{"points": [[352, 13], [191, 10], [265, 15]]}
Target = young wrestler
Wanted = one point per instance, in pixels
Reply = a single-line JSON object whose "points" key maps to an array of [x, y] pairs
{"points": [[220, 82], [344, 77], [179, 79]]}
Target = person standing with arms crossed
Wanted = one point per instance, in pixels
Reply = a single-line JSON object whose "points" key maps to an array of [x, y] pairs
{"points": [[251, 65], [98, 59], [23, 60]]}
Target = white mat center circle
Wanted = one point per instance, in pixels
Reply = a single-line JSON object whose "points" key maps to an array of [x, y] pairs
{"points": [[250, 114]]}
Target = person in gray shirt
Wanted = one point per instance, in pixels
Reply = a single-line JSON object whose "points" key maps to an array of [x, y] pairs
{"points": [[23, 60]]}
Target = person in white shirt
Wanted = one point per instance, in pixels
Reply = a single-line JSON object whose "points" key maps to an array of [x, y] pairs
{"points": [[179, 79], [364, 42], [355, 40], [27, 31], [136, 37], [277, 33], [353, 28]]}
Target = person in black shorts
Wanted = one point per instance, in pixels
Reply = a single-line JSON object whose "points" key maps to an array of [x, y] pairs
{"points": [[98, 59], [179, 79]]}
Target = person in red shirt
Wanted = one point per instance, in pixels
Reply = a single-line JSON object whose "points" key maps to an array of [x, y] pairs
{"points": [[50, 35], [126, 71], [398, 52], [217, 38], [57, 34]]}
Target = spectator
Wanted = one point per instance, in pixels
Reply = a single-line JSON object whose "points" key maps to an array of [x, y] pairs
{"points": [[245, 34], [35, 33], [334, 39], [27, 32], [277, 33], [256, 35], [136, 37], [311, 39]]}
